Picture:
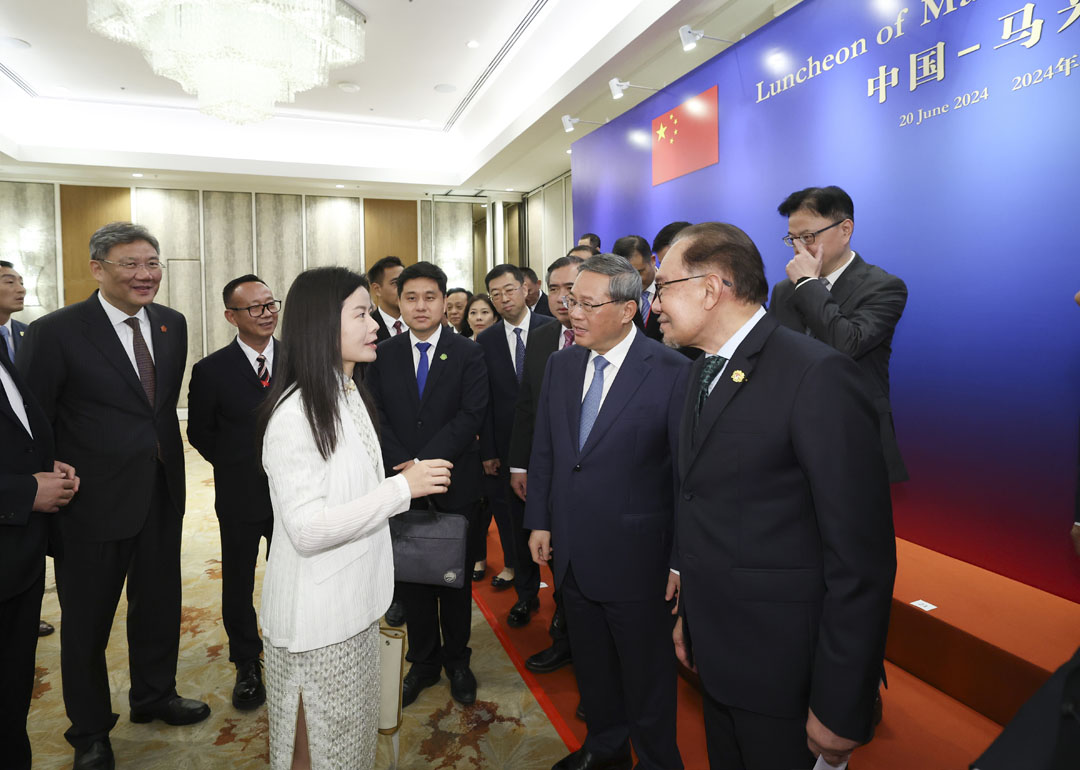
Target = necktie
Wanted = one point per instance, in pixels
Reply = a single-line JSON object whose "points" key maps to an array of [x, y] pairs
{"points": [[590, 405], [519, 356], [568, 335], [646, 306], [398, 328], [9, 344], [263, 373], [143, 362], [422, 367], [825, 282], [713, 364]]}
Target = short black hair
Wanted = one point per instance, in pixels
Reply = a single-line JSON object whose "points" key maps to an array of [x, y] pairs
{"points": [[422, 270], [724, 246], [375, 272], [592, 251], [459, 290], [501, 270], [594, 240], [629, 245], [230, 287], [829, 202], [529, 273], [5, 263], [567, 261], [666, 235]]}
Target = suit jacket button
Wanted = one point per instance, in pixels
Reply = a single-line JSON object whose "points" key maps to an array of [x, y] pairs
{"points": [[688, 496], [419, 423], [577, 469], [29, 450]]}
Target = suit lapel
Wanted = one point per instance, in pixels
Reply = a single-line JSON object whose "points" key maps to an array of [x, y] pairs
{"points": [[849, 281], [503, 349], [635, 368], [165, 356], [574, 397], [437, 363], [244, 369], [5, 404], [686, 424], [100, 334]]}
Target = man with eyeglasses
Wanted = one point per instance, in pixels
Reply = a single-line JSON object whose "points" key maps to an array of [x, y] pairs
{"points": [[832, 294], [107, 372], [226, 389]]}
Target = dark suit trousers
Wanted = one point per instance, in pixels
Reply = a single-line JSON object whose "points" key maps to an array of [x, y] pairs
{"points": [[742, 740], [512, 514], [89, 579], [19, 617], [625, 667], [431, 609], [500, 498], [239, 552]]}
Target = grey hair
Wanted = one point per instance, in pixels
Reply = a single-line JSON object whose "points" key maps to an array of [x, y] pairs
{"points": [[116, 233], [625, 280]]}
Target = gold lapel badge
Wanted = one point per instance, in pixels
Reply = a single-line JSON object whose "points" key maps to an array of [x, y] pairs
{"points": [[442, 357], [738, 376], [164, 328]]}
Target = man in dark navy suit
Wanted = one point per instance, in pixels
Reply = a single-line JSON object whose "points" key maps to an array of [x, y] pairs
{"points": [[12, 295], [431, 389], [601, 504], [227, 387], [534, 293], [636, 251], [32, 486], [504, 347]]}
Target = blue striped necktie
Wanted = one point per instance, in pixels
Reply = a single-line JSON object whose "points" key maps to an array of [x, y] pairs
{"points": [[590, 406], [422, 367]]}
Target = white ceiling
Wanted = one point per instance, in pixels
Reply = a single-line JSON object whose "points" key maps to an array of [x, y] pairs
{"points": [[97, 113]]}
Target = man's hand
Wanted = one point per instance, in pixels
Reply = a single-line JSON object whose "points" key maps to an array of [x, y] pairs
{"points": [[404, 466], [1075, 534], [491, 467], [823, 741], [674, 585], [540, 546], [518, 480], [805, 263], [682, 649], [54, 491], [68, 471]]}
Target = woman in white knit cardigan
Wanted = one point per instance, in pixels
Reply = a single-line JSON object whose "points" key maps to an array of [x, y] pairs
{"points": [[331, 577]]}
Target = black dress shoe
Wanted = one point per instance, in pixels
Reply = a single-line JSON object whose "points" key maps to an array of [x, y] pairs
{"points": [[249, 692], [522, 611], [395, 615], [463, 685], [44, 629], [413, 684], [478, 575], [177, 711], [553, 658], [583, 759], [98, 756], [501, 583]]}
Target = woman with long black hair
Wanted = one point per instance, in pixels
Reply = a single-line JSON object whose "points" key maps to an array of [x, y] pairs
{"points": [[331, 577]]}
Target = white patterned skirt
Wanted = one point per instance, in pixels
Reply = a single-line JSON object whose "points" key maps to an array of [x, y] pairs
{"points": [[340, 688]]}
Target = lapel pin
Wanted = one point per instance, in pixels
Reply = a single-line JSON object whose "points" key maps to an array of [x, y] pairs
{"points": [[442, 357], [738, 376], [22, 333], [164, 328]]}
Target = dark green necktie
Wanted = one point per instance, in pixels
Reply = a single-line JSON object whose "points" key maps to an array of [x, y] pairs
{"points": [[713, 364]]}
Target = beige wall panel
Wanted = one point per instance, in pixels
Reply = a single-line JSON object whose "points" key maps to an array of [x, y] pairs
{"points": [[185, 280], [28, 240], [390, 229], [569, 239], [279, 240], [82, 211], [333, 232], [227, 253], [512, 233], [426, 227], [554, 228], [534, 211], [454, 243]]}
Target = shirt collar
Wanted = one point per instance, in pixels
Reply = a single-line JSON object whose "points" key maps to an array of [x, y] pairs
{"points": [[727, 350], [834, 276], [524, 325], [617, 354], [252, 353], [389, 319], [118, 316], [433, 339], [650, 289]]}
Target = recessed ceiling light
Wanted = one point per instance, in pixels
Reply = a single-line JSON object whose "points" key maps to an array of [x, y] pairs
{"points": [[349, 87], [13, 42], [473, 44], [340, 186], [509, 189], [137, 176], [483, 205], [424, 121], [445, 88], [569, 152]]}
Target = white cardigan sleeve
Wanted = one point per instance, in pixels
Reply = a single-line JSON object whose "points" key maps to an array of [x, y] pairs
{"points": [[297, 475]]}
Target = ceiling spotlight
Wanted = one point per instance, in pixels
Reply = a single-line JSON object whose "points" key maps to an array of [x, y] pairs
{"points": [[137, 176], [472, 44], [690, 37], [569, 151], [340, 186], [569, 122], [349, 87], [618, 86], [13, 42]]}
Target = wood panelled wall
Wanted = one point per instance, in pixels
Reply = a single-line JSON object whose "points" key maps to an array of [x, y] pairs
{"points": [[390, 229], [82, 211]]}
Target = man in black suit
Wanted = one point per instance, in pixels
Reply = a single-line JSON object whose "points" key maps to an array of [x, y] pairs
{"points": [[548, 339], [431, 389], [534, 293], [226, 389], [383, 277], [32, 485], [602, 492], [662, 242], [504, 347], [831, 294], [784, 534], [107, 372], [590, 239], [635, 250]]}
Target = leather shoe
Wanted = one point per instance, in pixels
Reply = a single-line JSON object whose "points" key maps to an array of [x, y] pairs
{"points": [[478, 575], [583, 759], [395, 615], [501, 583], [175, 711], [98, 756], [463, 685], [249, 692], [553, 658], [413, 684], [521, 612], [44, 629]]}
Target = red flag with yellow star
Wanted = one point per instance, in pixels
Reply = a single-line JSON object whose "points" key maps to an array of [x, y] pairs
{"points": [[686, 138]]}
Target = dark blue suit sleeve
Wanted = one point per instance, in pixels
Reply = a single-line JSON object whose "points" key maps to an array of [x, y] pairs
{"points": [[541, 460]]}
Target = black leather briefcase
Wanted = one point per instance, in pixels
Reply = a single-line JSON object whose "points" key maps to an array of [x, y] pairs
{"points": [[429, 547]]}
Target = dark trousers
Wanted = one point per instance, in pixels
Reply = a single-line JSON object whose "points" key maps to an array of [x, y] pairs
{"points": [[439, 617], [239, 553], [478, 534], [19, 617], [742, 740], [508, 507], [625, 667], [496, 489], [89, 579]]}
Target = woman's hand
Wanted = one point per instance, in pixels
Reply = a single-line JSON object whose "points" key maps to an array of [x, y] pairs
{"points": [[428, 477]]}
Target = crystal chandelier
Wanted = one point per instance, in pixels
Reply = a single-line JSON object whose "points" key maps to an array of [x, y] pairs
{"points": [[238, 57]]}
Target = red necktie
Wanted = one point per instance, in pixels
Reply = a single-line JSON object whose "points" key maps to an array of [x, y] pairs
{"points": [[263, 373], [569, 335], [398, 328], [143, 361]]}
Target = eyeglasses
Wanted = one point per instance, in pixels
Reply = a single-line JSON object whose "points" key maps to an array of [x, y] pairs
{"points": [[255, 311], [154, 266], [659, 287], [588, 308], [808, 239], [498, 294]]}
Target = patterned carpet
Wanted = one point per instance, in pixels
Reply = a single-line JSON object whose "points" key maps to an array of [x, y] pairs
{"points": [[505, 728]]}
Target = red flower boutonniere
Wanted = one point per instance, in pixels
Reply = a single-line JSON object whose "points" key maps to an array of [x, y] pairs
{"points": [[164, 328]]}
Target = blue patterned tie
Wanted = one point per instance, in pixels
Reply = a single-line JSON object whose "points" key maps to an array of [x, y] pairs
{"points": [[519, 356], [9, 346], [590, 406], [422, 367], [646, 306], [713, 364]]}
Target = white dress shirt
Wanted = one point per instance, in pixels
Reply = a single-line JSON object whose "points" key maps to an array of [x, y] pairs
{"points": [[727, 350], [834, 276], [252, 354], [615, 358], [118, 319], [15, 398], [389, 320], [511, 338], [433, 339]]}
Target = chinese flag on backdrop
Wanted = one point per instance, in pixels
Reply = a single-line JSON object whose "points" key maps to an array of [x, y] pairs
{"points": [[686, 138]]}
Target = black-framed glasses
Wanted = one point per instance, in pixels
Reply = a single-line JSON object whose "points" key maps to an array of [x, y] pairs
{"points": [[588, 308], [808, 239], [659, 287], [154, 265], [255, 311]]}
